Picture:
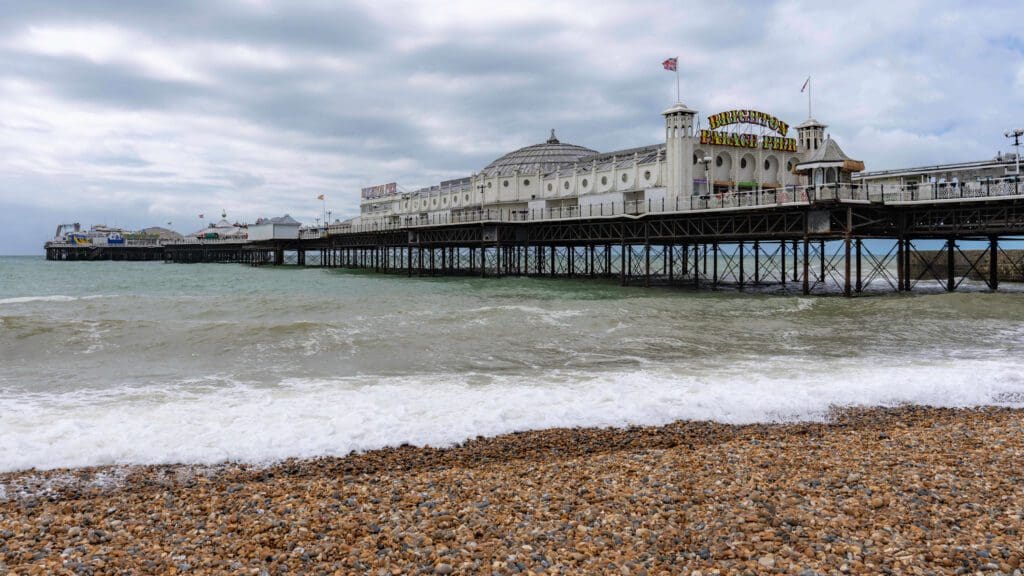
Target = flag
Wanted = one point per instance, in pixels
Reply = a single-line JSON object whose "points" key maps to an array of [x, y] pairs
{"points": [[670, 64], [320, 197], [806, 84]]}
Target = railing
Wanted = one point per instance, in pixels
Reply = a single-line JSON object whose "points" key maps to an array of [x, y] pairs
{"points": [[206, 241], [945, 191], [744, 199], [134, 243], [726, 200]]}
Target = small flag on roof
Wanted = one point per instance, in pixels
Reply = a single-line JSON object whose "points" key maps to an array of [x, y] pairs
{"points": [[670, 64]]}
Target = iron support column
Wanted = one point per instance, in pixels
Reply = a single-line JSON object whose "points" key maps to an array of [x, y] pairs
{"points": [[993, 263], [741, 251], [757, 262], [782, 267], [900, 272], [807, 266], [860, 280], [950, 265], [714, 265]]}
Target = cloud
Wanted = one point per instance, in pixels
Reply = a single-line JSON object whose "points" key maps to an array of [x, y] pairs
{"points": [[154, 111]]}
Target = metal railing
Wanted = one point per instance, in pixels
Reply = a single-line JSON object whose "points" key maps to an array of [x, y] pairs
{"points": [[946, 191], [742, 199], [129, 242], [206, 241]]}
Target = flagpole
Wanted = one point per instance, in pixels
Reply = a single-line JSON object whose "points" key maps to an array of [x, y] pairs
{"points": [[809, 97], [678, 97]]}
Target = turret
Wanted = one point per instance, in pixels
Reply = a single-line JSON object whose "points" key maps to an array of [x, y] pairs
{"points": [[810, 135], [679, 140]]}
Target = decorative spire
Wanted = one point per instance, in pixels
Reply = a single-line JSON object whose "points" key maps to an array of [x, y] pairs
{"points": [[553, 140]]}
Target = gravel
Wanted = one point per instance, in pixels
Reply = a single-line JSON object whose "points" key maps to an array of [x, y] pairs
{"points": [[898, 491]]}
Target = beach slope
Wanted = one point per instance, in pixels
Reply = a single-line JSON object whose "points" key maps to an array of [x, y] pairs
{"points": [[905, 490]]}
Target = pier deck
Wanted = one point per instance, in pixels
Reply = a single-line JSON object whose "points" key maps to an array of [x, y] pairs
{"points": [[839, 239]]}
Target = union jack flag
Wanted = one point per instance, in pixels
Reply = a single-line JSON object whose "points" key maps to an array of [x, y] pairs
{"points": [[670, 64]]}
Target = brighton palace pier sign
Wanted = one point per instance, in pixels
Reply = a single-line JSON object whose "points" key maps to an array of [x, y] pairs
{"points": [[778, 143]]}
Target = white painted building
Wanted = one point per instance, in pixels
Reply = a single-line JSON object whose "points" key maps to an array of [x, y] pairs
{"points": [[280, 228], [739, 150]]}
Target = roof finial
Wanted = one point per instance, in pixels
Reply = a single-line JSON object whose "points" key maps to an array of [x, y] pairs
{"points": [[553, 140]]}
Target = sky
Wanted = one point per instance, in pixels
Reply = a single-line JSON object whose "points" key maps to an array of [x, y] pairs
{"points": [[146, 113]]}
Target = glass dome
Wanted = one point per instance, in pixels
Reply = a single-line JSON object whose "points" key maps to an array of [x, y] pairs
{"points": [[545, 157]]}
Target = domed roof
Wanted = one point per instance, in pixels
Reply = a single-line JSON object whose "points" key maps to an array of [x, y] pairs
{"points": [[545, 157]]}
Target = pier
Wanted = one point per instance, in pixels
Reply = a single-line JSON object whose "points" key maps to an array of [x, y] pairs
{"points": [[842, 238]]}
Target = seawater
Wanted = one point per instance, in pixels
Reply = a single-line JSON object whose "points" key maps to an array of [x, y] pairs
{"points": [[139, 363]]}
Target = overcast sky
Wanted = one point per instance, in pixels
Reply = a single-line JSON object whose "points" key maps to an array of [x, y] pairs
{"points": [[143, 113]]}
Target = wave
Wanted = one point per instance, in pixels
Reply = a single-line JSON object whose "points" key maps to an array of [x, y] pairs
{"points": [[191, 422], [53, 298]]}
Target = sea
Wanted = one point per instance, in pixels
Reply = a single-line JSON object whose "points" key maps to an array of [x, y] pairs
{"points": [[109, 363]]}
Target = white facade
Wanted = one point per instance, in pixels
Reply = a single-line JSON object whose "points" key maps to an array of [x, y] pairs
{"points": [[283, 228], [557, 179]]}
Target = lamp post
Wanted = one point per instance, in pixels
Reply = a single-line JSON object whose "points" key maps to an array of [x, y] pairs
{"points": [[1016, 134], [481, 188], [706, 161]]}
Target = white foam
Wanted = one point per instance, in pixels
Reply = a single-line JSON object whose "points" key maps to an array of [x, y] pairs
{"points": [[24, 299], [53, 298], [306, 418]]}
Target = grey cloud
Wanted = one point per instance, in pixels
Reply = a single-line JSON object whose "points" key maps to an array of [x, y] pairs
{"points": [[899, 84]]}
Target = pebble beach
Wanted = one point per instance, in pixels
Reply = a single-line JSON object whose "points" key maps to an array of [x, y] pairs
{"points": [[875, 491]]}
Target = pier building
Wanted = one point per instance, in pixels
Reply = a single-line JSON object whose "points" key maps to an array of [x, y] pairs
{"points": [[739, 150], [946, 176]]}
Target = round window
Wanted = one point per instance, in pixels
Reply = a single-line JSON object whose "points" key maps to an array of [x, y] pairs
{"points": [[489, 184], [505, 183], [434, 202], [743, 162], [604, 180], [526, 182], [584, 182], [550, 187], [467, 197], [647, 174], [445, 201], [767, 165], [718, 161], [455, 199], [566, 186], [625, 177]]}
